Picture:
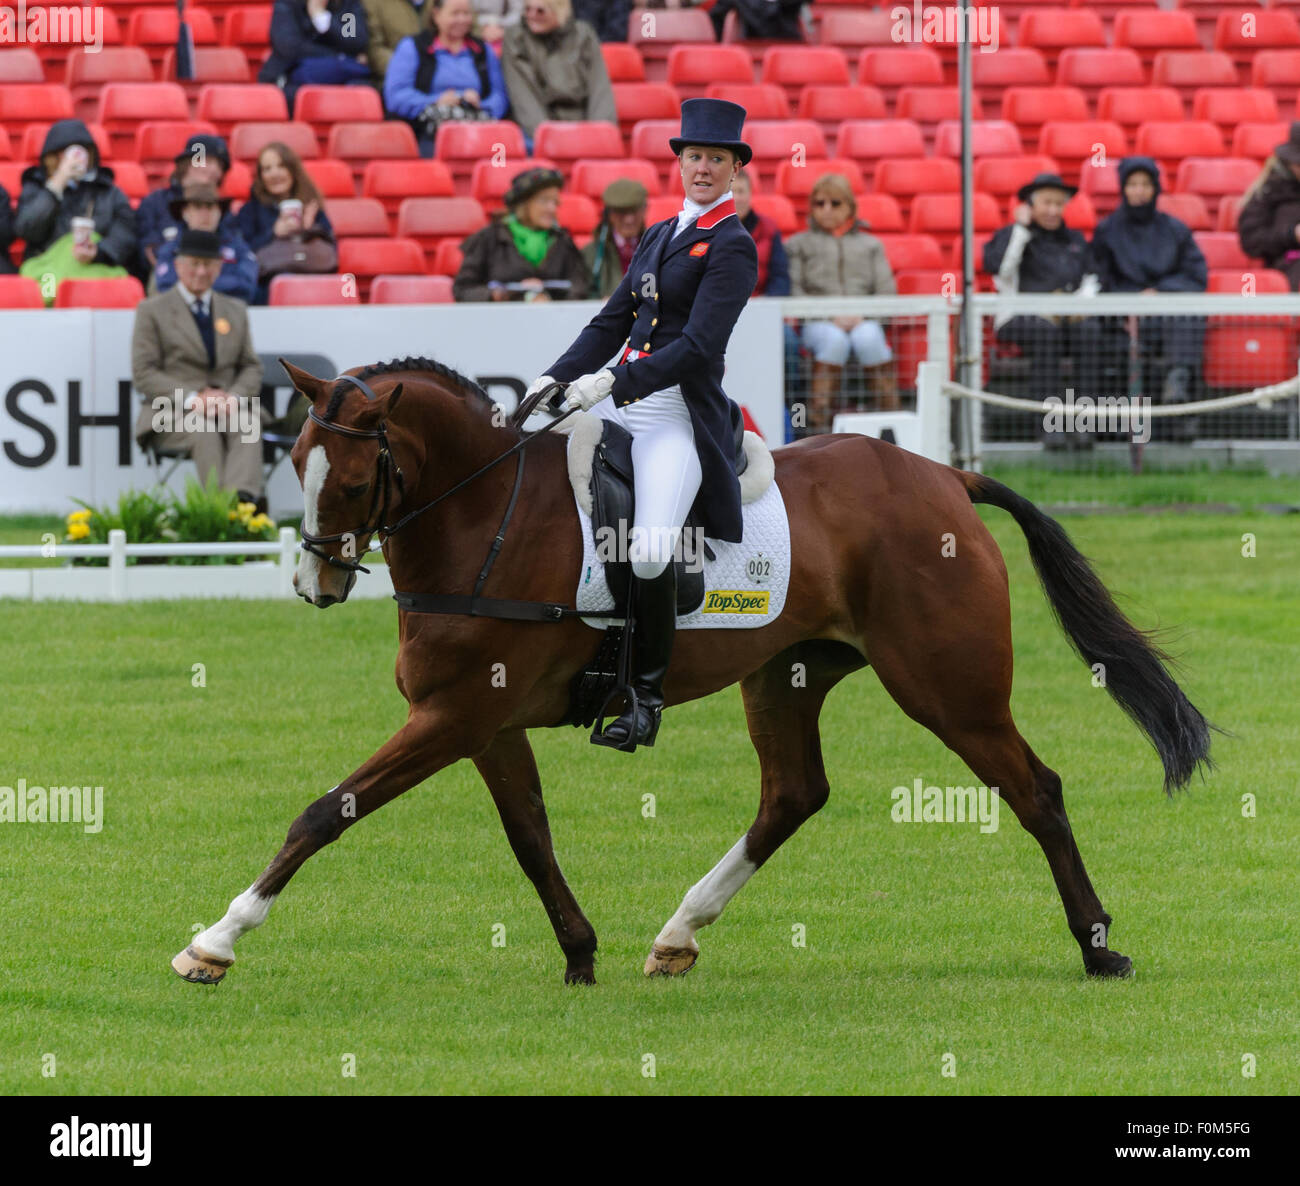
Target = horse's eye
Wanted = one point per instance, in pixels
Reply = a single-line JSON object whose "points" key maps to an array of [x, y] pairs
{"points": [[356, 491]]}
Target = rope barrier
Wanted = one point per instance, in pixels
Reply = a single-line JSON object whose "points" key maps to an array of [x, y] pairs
{"points": [[1264, 396]]}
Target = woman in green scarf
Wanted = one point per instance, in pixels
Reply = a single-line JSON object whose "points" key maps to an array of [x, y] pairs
{"points": [[524, 255]]}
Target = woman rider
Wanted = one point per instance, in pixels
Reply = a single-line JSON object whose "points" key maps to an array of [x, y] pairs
{"points": [[668, 322]]}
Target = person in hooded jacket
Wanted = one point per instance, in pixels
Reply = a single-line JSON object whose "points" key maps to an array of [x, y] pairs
{"points": [[1141, 249], [69, 182], [1038, 252], [1268, 225]]}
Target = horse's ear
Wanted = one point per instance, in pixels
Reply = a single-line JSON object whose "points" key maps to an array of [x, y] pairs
{"points": [[312, 387]]}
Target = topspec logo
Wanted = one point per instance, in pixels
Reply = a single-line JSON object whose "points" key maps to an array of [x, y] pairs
{"points": [[67, 25], [76, 1139], [946, 24]]}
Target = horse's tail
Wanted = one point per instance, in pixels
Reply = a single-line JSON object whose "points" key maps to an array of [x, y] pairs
{"points": [[1133, 667]]}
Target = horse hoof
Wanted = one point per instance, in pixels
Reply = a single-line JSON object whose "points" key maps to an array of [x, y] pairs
{"points": [[579, 976], [1114, 967], [198, 967], [671, 961]]}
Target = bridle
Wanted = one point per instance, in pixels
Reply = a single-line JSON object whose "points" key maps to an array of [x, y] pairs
{"points": [[389, 473]]}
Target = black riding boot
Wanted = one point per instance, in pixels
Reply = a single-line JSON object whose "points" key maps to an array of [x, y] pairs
{"points": [[655, 624]]}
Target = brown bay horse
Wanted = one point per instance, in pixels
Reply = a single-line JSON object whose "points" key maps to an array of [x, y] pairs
{"points": [[891, 568]]}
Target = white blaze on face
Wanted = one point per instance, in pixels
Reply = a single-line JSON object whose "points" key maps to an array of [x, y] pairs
{"points": [[313, 482]]}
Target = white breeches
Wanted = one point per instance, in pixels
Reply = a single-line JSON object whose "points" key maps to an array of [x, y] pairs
{"points": [[666, 474]]}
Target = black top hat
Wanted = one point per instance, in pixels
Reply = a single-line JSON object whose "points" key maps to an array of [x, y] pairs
{"points": [[199, 244], [529, 182], [1289, 150], [1045, 181], [716, 123]]}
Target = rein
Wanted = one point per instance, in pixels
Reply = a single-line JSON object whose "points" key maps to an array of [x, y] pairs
{"points": [[388, 472]]}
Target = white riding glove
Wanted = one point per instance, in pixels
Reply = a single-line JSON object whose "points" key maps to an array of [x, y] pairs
{"points": [[538, 384], [588, 390]]}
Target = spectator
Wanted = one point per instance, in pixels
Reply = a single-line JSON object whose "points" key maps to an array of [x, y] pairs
{"points": [[526, 255], [214, 375], [316, 41], [775, 20], [389, 23], [554, 69], [201, 208], [1039, 253], [69, 183], [283, 220], [607, 17], [837, 256], [6, 233], [494, 17], [1268, 224], [443, 74], [773, 266], [1141, 249], [621, 227], [205, 159]]}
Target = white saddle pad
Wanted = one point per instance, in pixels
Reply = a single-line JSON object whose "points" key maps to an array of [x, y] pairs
{"points": [[743, 588]]}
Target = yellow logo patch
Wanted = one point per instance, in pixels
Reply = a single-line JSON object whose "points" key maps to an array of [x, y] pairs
{"points": [[736, 601]]}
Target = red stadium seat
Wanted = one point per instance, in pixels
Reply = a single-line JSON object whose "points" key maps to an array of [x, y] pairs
{"points": [[1258, 140], [238, 183], [881, 213], [895, 67], [692, 68], [1151, 31], [411, 290], [323, 106], [1262, 281], [622, 62], [907, 177], [930, 106], [911, 251], [654, 34], [158, 144], [6, 146], [794, 66], [461, 146], [447, 259], [1080, 213], [87, 72], [1170, 143], [357, 216], [1230, 107], [662, 207], [1244, 352], [1010, 66], [116, 292], [1216, 178], [568, 140], [1188, 70], [490, 182], [1092, 68], [130, 178], [332, 178], [246, 140], [830, 105], [20, 292], [1130, 106], [779, 209], [391, 183], [1275, 68], [1272, 29], [1052, 30], [761, 100], [989, 137], [855, 28], [1001, 176], [940, 214], [289, 289], [775, 140], [360, 144], [227, 104], [1101, 184], [367, 258], [871, 139], [1188, 208], [1229, 209], [21, 65], [577, 214], [635, 101], [123, 106], [1029, 107], [158, 29], [249, 29], [924, 282], [591, 177], [212, 63], [649, 141], [428, 221], [1074, 143]]}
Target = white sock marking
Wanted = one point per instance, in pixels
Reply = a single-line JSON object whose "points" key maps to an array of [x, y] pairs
{"points": [[707, 898]]}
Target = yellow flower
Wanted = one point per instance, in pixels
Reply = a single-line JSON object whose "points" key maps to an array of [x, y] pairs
{"points": [[78, 516], [246, 509], [232, 516], [78, 530], [258, 522]]}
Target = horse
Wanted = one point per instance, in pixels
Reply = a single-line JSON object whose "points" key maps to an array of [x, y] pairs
{"points": [[891, 568]]}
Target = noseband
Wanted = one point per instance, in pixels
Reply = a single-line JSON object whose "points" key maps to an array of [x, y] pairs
{"points": [[389, 473]]}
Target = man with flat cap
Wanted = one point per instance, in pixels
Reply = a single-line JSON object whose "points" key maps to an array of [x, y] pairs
{"points": [[1037, 252], [192, 360], [615, 242]]}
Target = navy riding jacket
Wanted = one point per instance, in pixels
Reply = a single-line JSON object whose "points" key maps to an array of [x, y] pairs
{"points": [[675, 309]]}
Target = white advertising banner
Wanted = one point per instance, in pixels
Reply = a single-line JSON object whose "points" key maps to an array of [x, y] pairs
{"points": [[67, 409]]}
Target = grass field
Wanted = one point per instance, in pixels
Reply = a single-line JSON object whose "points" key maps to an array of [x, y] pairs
{"points": [[921, 940]]}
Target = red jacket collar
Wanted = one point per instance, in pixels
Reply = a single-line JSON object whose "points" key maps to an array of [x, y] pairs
{"points": [[722, 210]]}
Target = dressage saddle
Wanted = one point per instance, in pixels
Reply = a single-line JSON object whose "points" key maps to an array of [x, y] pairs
{"points": [[613, 504]]}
